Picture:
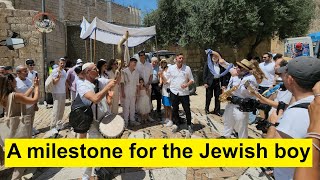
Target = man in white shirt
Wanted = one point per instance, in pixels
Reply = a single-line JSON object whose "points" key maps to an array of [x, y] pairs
{"points": [[144, 69], [87, 93], [299, 76], [25, 86], [267, 68], [180, 77], [129, 85], [59, 76]]}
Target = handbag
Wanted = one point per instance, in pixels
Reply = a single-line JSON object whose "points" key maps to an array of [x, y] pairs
{"points": [[17, 126], [81, 116], [49, 84]]}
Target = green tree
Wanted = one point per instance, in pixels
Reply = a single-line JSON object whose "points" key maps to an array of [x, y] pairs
{"points": [[208, 23]]}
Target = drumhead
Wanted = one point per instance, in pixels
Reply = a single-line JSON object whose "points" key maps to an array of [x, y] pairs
{"points": [[112, 126]]}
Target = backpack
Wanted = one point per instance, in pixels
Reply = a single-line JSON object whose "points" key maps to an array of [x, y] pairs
{"points": [[81, 116]]}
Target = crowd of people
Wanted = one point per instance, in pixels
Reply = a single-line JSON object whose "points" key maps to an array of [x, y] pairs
{"points": [[277, 92], [283, 93]]}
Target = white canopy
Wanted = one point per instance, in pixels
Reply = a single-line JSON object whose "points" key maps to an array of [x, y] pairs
{"points": [[111, 34]]}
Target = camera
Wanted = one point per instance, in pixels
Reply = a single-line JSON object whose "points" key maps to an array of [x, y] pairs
{"points": [[249, 105], [262, 125]]}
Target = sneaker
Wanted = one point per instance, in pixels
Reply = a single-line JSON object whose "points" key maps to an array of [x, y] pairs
{"points": [[151, 120], [134, 123], [169, 123], [35, 131], [54, 132], [59, 127], [167, 120], [85, 177], [174, 128], [190, 129]]}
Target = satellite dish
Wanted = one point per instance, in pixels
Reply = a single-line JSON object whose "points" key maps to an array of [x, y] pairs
{"points": [[44, 22]]}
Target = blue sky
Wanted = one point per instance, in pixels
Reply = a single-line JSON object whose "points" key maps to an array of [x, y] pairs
{"points": [[144, 5]]}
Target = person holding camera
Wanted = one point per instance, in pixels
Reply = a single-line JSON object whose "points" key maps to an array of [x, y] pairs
{"points": [[236, 114], [59, 76], [282, 94], [299, 76], [25, 86]]}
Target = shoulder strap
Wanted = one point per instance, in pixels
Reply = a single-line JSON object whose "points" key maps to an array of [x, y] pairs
{"points": [[96, 90], [302, 105], [9, 104]]}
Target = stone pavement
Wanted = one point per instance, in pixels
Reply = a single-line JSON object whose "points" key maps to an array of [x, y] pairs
{"points": [[203, 129]]}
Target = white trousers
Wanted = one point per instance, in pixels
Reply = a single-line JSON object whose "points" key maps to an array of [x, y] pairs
{"points": [[129, 108], [233, 118], [73, 95], [58, 109]]}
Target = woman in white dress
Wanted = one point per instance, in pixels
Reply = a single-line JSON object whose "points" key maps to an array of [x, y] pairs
{"points": [[143, 102]]}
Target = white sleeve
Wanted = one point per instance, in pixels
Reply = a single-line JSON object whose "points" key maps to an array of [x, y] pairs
{"points": [[103, 82], [230, 83], [294, 122], [83, 89], [190, 74], [54, 73]]}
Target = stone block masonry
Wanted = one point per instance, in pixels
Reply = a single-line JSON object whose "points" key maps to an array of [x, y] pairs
{"points": [[20, 21]]}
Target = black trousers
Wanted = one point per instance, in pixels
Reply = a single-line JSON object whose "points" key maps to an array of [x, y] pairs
{"points": [[262, 89], [215, 89], [185, 101], [156, 94]]}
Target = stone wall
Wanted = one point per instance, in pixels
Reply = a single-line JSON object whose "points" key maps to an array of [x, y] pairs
{"points": [[65, 40], [77, 48], [20, 21], [315, 24], [56, 42], [74, 10]]}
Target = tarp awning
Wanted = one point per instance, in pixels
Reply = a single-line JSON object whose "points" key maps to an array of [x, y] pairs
{"points": [[315, 36], [111, 34]]}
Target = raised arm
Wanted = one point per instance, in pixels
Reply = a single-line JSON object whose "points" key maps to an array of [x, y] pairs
{"points": [[24, 99], [97, 97]]}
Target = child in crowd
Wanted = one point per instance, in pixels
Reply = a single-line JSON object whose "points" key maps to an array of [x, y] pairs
{"points": [[165, 95], [143, 103]]}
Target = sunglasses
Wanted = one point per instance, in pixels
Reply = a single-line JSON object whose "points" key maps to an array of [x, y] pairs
{"points": [[31, 65]]}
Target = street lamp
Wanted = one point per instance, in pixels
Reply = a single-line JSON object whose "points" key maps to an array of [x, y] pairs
{"points": [[13, 43]]}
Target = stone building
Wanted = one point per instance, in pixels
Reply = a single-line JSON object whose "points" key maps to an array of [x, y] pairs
{"points": [[17, 16]]}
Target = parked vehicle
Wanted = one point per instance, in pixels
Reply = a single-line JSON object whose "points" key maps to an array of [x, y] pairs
{"points": [[291, 44]]}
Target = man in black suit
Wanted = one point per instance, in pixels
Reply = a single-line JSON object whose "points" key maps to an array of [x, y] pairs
{"points": [[215, 78]]}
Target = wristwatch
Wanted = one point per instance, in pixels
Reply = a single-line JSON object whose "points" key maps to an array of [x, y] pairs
{"points": [[269, 124]]}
